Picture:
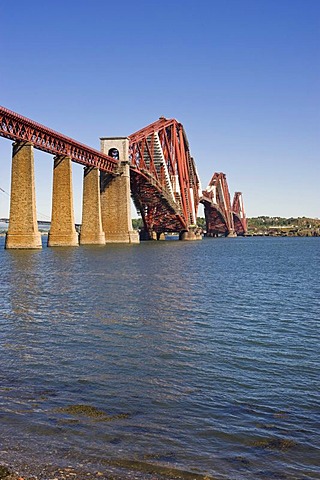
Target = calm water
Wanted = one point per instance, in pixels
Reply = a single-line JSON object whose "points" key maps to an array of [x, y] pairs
{"points": [[198, 356]]}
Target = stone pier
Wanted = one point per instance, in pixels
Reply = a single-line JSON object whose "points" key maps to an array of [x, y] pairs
{"points": [[62, 232], [23, 228], [91, 228], [146, 235], [190, 235], [115, 194]]}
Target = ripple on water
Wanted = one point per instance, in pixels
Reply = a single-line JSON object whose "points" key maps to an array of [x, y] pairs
{"points": [[192, 358]]}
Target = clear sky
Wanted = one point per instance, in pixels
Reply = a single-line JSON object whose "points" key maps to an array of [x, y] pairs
{"points": [[242, 76]]}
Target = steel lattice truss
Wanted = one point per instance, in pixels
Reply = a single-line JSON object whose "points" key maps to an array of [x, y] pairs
{"points": [[221, 217], [19, 128], [165, 186], [239, 216], [217, 206]]}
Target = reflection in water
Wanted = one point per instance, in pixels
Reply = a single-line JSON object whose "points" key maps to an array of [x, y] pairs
{"points": [[193, 356], [23, 287]]}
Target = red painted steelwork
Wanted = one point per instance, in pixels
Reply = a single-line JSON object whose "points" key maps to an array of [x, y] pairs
{"points": [[239, 216], [217, 206], [164, 182], [19, 128]]}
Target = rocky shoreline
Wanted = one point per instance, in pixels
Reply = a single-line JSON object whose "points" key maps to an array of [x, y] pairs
{"points": [[53, 472], [50, 472]]}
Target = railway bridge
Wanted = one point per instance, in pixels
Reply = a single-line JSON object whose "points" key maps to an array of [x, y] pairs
{"points": [[154, 166], [222, 217]]}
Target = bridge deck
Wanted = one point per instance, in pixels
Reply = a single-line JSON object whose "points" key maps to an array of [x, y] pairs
{"points": [[19, 128]]}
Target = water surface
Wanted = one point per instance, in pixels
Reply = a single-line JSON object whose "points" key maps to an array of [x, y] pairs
{"points": [[196, 356]]}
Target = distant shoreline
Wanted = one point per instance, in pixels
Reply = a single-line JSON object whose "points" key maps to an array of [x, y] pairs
{"points": [[262, 226]]}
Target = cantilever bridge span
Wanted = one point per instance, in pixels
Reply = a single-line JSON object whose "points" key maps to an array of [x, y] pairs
{"points": [[165, 186], [153, 165], [222, 218]]}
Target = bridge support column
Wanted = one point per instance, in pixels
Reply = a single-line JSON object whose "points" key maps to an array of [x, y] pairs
{"points": [[91, 228], [23, 227], [115, 195], [146, 235], [190, 235], [62, 232]]}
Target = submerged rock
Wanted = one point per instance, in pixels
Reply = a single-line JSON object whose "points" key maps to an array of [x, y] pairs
{"points": [[275, 444], [4, 472], [92, 412]]}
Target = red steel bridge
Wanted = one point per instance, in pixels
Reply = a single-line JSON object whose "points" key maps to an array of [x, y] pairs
{"points": [[165, 186], [222, 217]]}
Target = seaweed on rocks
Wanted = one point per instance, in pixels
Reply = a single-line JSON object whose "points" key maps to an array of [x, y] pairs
{"points": [[91, 412]]}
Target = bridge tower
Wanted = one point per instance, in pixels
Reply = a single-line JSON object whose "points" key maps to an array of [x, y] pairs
{"points": [[115, 194]]}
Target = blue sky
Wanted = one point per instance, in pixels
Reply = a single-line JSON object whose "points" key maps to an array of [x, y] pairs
{"points": [[242, 76]]}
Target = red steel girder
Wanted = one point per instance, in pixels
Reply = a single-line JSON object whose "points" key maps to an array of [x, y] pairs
{"points": [[19, 128], [160, 153]]}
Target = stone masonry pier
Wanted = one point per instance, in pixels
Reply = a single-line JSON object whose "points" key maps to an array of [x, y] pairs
{"points": [[115, 194], [62, 232], [91, 228], [23, 228], [106, 212]]}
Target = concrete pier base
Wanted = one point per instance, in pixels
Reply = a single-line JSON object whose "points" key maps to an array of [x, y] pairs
{"points": [[62, 232], [115, 195], [23, 227], [190, 235], [146, 235], [91, 228], [129, 237]]}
